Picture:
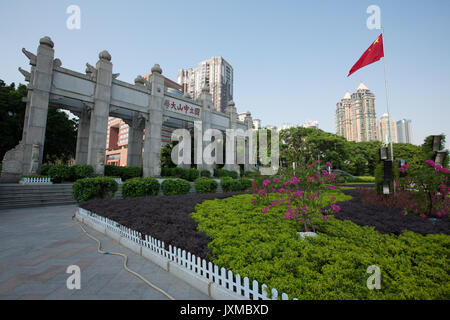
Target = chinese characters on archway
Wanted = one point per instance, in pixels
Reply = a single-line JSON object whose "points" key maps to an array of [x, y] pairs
{"points": [[182, 107]]}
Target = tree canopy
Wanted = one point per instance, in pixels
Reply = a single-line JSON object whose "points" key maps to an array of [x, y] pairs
{"points": [[304, 145], [61, 134]]}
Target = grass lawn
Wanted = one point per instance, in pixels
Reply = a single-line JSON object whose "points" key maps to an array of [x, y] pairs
{"points": [[266, 248]]}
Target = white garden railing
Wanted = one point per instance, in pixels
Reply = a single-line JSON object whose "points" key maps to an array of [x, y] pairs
{"points": [[36, 180], [206, 270]]}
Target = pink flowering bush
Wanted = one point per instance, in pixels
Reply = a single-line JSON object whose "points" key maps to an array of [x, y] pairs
{"points": [[301, 195], [427, 189]]}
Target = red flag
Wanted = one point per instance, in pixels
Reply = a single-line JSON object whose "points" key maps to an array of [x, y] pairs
{"points": [[374, 53]]}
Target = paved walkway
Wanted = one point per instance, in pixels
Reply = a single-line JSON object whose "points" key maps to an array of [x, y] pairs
{"points": [[38, 244]]}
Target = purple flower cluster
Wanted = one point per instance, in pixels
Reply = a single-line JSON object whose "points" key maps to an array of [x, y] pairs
{"points": [[301, 195]]}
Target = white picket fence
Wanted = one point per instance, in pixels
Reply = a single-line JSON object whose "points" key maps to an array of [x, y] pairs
{"points": [[200, 267], [36, 180]]}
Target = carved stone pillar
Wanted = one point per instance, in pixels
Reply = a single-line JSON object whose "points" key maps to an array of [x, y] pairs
{"points": [[230, 159], [99, 115], [135, 141], [153, 124], [81, 155]]}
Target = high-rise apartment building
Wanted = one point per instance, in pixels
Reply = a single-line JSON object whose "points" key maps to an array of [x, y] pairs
{"points": [[385, 124], [355, 115], [404, 131], [216, 73]]}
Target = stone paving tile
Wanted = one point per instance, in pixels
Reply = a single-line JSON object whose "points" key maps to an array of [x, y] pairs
{"points": [[38, 244]]}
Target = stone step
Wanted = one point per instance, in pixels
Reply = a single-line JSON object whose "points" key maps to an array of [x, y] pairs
{"points": [[36, 198], [12, 197], [36, 204]]}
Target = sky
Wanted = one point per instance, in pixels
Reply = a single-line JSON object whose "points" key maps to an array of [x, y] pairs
{"points": [[290, 58]]}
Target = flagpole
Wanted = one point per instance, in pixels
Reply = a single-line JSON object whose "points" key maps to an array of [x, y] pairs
{"points": [[387, 104]]}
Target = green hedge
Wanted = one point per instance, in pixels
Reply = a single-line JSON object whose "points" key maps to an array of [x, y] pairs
{"points": [[81, 171], [246, 183], [266, 248], [205, 173], [138, 187], [225, 184], [205, 185], [229, 184], [60, 172], [166, 172], [93, 188], [219, 173], [44, 169], [63, 172], [175, 186], [193, 174], [182, 173], [123, 172], [251, 174]]}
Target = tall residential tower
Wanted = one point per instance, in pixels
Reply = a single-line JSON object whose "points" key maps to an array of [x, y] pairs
{"points": [[404, 131], [383, 129], [355, 115], [216, 73]]}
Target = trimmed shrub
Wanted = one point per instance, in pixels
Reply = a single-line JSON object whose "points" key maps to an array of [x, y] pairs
{"points": [[251, 174], [167, 172], [225, 183], [93, 188], [123, 172], [44, 169], [181, 173], [205, 185], [205, 173], [112, 171], [81, 171], [229, 184], [175, 186], [192, 174], [130, 172], [219, 173], [59, 173], [246, 183], [138, 187]]}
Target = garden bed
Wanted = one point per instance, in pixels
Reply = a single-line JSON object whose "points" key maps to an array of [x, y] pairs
{"points": [[234, 234], [166, 218], [371, 212]]}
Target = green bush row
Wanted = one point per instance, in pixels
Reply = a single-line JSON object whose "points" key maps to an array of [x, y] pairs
{"points": [[62, 172], [175, 186], [229, 184], [205, 185], [266, 248], [123, 172], [219, 173], [182, 173], [251, 174], [138, 187], [94, 188]]}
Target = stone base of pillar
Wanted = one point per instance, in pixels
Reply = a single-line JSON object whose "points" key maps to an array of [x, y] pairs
{"points": [[12, 165], [249, 167]]}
